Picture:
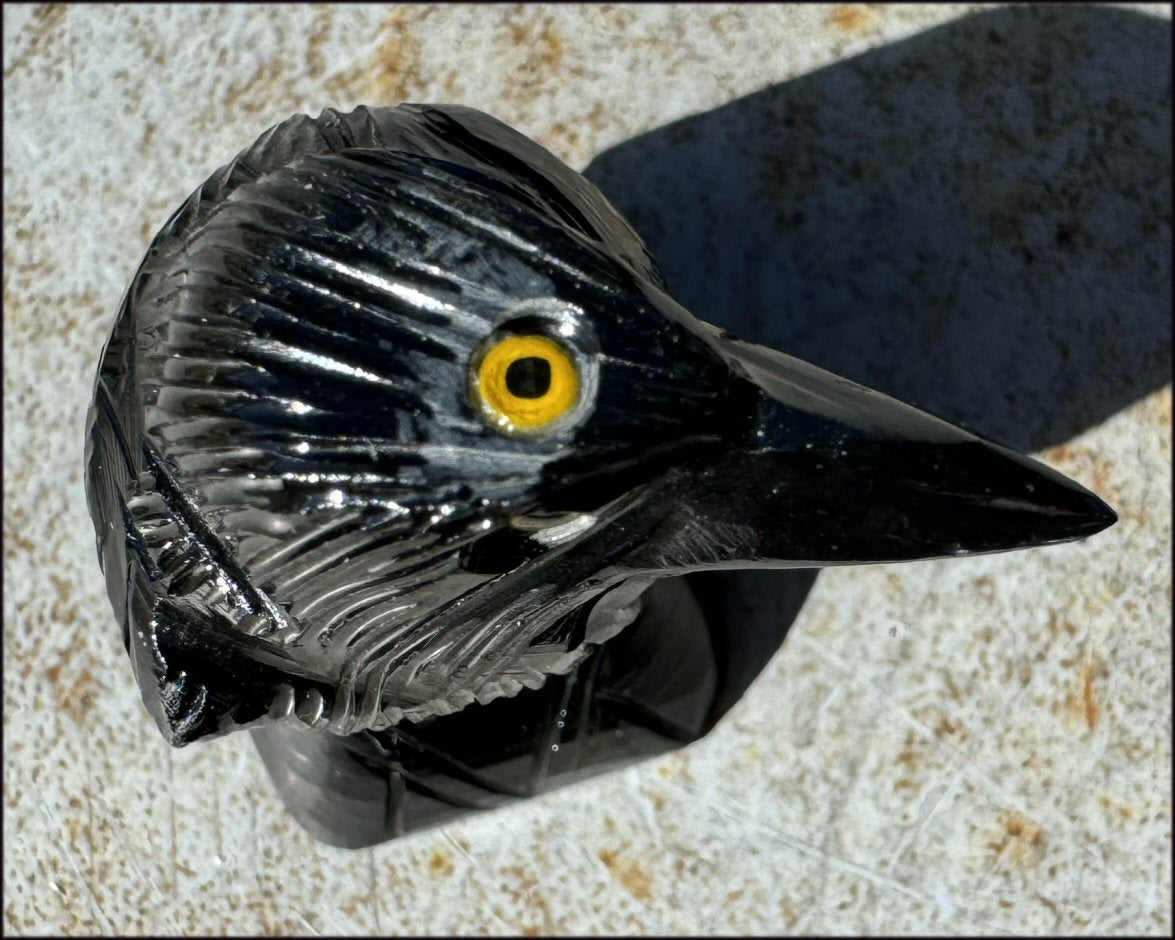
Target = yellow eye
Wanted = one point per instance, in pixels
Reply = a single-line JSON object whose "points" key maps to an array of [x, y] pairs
{"points": [[526, 383]]}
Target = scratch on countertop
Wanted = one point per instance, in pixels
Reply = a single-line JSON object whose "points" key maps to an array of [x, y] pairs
{"points": [[372, 888], [71, 855]]}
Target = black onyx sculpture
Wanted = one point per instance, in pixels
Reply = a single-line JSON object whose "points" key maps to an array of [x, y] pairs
{"points": [[401, 456]]}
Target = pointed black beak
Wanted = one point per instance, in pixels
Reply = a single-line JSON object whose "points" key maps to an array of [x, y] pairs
{"points": [[823, 471]]}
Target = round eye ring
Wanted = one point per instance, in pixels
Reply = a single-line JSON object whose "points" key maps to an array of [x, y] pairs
{"points": [[527, 384]]}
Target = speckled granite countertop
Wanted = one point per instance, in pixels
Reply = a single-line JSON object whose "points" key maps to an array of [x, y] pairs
{"points": [[968, 207]]}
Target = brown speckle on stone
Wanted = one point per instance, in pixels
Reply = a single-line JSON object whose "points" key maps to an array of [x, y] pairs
{"points": [[1090, 707], [439, 865], [1018, 836], [852, 17], [629, 873], [1082, 703]]}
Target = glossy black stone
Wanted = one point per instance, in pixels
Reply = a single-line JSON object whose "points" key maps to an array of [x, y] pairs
{"points": [[309, 528]]}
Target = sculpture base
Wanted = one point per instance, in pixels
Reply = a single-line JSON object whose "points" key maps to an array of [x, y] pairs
{"points": [[660, 684]]}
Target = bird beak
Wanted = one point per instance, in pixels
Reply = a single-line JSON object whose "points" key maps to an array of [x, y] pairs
{"points": [[824, 471]]}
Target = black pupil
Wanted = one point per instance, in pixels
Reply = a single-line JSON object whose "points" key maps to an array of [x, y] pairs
{"points": [[529, 377]]}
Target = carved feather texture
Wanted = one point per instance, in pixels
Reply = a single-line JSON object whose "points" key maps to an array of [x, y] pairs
{"points": [[286, 387]]}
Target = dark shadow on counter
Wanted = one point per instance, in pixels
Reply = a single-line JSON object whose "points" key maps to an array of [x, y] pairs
{"points": [[976, 220]]}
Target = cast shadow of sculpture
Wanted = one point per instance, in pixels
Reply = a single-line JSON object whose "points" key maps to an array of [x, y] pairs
{"points": [[975, 220]]}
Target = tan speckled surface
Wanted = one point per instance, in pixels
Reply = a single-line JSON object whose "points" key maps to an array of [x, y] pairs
{"points": [[980, 745]]}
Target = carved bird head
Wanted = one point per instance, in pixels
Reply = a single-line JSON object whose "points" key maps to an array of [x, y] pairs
{"points": [[397, 416]]}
